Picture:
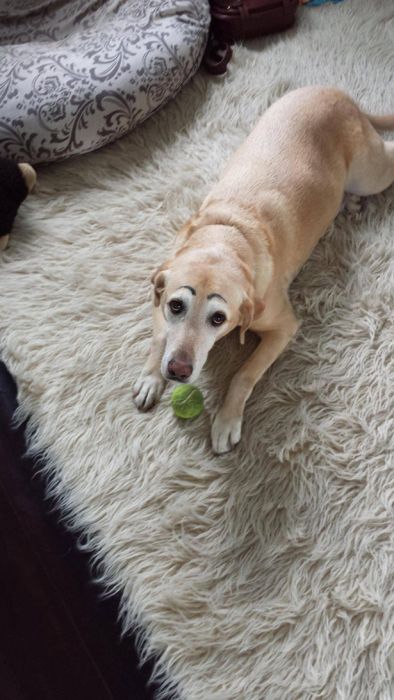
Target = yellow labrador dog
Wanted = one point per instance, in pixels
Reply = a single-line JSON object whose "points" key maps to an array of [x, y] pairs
{"points": [[234, 260]]}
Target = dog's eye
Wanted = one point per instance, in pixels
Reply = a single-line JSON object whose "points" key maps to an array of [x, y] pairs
{"points": [[217, 319], [176, 306]]}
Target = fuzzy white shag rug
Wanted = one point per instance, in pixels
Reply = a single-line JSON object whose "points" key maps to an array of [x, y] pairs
{"points": [[266, 574]]}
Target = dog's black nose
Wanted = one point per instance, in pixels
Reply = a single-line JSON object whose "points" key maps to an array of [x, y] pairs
{"points": [[179, 370]]}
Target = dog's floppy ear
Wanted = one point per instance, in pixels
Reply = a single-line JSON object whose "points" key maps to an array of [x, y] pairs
{"points": [[246, 317], [251, 307], [249, 310], [158, 280]]}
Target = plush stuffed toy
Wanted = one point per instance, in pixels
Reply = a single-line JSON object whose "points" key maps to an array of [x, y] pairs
{"points": [[16, 181]]}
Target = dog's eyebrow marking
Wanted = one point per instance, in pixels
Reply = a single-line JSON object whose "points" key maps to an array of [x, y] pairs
{"points": [[211, 296], [191, 289]]}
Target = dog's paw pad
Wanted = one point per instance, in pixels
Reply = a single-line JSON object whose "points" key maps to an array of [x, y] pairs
{"points": [[147, 391], [226, 433]]}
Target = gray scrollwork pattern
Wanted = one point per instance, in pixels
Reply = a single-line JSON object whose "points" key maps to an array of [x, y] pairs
{"points": [[77, 74]]}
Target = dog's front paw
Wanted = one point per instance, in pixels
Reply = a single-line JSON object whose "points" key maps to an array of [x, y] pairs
{"points": [[226, 432], [147, 391]]}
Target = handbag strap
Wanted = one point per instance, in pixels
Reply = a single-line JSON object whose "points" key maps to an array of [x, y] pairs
{"points": [[246, 7], [217, 55]]}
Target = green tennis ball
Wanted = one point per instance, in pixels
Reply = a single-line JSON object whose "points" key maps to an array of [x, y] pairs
{"points": [[187, 401]]}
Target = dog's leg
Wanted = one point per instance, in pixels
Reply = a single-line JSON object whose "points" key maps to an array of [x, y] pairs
{"points": [[151, 384], [226, 427], [4, 241], [372, 169]]}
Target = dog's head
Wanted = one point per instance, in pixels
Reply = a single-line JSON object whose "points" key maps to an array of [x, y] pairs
{"points": [[203, 294]]}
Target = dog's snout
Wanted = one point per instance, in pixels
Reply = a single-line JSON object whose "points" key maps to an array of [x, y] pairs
{"points": [[179, 370]]}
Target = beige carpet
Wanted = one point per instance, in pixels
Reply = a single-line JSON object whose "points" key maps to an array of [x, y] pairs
{"points": [[266, 574]]}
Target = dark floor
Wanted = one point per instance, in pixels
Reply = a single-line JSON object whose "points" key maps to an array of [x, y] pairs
{"points": [[59, 640]]}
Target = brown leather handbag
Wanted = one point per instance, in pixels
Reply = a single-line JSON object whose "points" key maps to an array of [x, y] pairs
{"points": [[243, 19]]}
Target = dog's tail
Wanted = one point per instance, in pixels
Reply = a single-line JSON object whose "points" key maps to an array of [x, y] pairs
{"points": [[385, 123]]}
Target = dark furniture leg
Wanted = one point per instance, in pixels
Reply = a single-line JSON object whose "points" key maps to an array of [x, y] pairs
{"points": [[58, 639]]}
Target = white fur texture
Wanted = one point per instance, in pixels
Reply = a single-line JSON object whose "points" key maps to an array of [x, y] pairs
{"points": [[266, 574]]}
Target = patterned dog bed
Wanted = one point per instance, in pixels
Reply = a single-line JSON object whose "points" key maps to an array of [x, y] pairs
{"points": [[77, 74]]}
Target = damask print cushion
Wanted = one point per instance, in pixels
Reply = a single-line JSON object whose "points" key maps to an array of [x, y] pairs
{"points": [[77, 74]]}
